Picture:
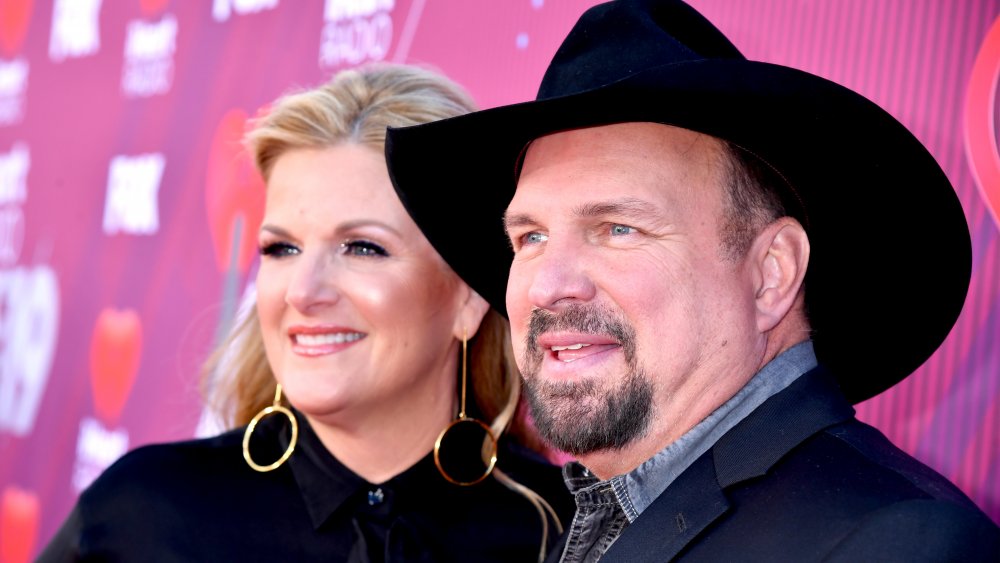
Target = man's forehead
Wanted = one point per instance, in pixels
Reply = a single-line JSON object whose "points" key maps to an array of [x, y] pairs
{"points": [[615, 160], [630, 135]]}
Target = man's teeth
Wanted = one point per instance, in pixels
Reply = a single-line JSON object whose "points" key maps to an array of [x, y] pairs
{"points": [[327, 339], [570, 347]]}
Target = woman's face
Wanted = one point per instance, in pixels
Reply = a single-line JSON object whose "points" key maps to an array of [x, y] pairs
{"points": [[358, 312]]}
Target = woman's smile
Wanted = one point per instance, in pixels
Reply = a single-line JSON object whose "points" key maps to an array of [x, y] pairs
{"points": [[321, 341]]}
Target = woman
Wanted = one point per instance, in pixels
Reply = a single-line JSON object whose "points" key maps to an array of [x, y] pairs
{"points": [[362, 328]]}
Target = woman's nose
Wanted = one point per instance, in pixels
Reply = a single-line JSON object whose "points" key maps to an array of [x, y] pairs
{"points": [[311, 285]]}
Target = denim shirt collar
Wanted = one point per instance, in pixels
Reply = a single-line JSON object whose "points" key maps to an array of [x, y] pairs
{"points": [[637, 489]]}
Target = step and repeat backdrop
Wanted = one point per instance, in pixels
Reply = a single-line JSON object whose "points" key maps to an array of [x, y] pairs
{"points": [[123, 196]]}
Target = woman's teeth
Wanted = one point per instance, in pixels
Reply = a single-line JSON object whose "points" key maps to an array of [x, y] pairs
{"points": [[327, 339]]}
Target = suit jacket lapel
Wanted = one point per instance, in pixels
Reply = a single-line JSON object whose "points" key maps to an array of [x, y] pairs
{"points": [[692, 502], [697, 497]]}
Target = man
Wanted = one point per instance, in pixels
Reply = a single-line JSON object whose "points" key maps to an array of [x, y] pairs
{"points": [[707, 261]]}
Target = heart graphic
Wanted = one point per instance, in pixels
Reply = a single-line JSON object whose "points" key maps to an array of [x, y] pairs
{"points": [[19, 516], [115, 350], [234, 195], [981, 123], [14, 16], [152, 7]]}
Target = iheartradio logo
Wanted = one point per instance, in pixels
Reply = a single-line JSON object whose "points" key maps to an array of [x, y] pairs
{"points": [[75, 30], [356, 31], [335, 10], [149, 57], [981, 143], [29, 299], [223, 9], [14, 166], [13, 86], [14, 18]]}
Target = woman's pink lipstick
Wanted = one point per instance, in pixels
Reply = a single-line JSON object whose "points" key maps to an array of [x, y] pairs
{"points": [[322, 340]]}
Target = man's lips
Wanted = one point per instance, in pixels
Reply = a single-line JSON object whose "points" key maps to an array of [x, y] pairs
{"points": [[322, 340], [569, 347], [573, 354]]}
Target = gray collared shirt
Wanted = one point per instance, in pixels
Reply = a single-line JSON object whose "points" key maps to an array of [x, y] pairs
{"points": [[605, 508]]}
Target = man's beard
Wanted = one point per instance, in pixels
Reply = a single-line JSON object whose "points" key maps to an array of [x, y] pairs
{"points": [[582, 417]]}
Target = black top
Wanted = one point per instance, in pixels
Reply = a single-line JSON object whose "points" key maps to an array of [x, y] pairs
{"points": [[199, 501]]}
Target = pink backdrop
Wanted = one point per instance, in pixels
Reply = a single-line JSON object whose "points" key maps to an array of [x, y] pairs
{"points": [[127, 213]]}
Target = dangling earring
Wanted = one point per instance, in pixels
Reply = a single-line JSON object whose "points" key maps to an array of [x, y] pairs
{"points": [[489, 449], [276, 407]]}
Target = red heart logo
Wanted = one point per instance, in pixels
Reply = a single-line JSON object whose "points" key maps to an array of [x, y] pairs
{"points": [[234, 195], [152, 7], [980, 121], [14, 16], [19, 516], [114, 361]]}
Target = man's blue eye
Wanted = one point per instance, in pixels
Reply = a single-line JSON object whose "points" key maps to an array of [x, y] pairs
{"points": [[363, 248], [617, 230], [534, 238]]}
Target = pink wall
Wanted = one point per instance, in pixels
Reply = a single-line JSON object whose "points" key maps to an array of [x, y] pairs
{"points": [[120, 189]]}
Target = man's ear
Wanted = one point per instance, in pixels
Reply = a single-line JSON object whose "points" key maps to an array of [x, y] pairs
{"points": [[471, 311], [779, 258]]}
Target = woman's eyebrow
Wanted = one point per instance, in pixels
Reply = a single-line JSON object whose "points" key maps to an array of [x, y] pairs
{"points": [[346, 226]]}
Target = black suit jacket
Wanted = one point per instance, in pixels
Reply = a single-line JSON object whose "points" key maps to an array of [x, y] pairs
{"points": [[801, 479]]}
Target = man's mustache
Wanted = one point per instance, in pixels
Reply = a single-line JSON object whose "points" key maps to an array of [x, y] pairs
{"points": [[587, 319]]}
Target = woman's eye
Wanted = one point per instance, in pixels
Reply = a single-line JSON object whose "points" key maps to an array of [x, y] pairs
{"points": [[363, 248], [619, 230], [278, 250]]}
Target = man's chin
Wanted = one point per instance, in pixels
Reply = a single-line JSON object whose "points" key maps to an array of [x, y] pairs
{"points": [[581, 419]]}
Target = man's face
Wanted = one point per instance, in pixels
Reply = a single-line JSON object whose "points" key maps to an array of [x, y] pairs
{"points": [[625, 314]]}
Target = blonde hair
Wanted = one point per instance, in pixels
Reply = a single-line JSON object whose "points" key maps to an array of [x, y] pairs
{"points": [[356, 106]]}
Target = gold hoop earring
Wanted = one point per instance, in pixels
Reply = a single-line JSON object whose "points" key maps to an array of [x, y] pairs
{"points": [[489, 449], [276, 407]]}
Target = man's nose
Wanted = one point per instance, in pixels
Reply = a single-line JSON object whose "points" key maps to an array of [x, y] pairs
{"points": [[311, 285], [561, 275]]}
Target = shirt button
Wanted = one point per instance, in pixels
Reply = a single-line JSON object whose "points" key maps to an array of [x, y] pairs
{"points": [[375, 497]]}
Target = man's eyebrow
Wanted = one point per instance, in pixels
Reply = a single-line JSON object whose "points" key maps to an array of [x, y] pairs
{"points": [[511, 220], [626, 206]]}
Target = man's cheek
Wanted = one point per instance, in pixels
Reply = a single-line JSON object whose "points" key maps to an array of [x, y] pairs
{"points": [[517, 302], [517, 341]]}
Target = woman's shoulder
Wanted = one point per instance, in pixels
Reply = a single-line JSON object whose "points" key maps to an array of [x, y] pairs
{"points": [[181, 500], [161, 468], [170, 455]]}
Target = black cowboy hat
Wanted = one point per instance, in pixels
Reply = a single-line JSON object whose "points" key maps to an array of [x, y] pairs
{"points": [[891, 255]]}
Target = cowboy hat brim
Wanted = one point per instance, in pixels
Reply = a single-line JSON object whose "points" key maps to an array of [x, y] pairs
{"points": [[881, 297]]}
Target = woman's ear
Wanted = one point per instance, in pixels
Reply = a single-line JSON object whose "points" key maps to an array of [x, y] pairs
{"points": [[471, 311], [779, 257]]}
